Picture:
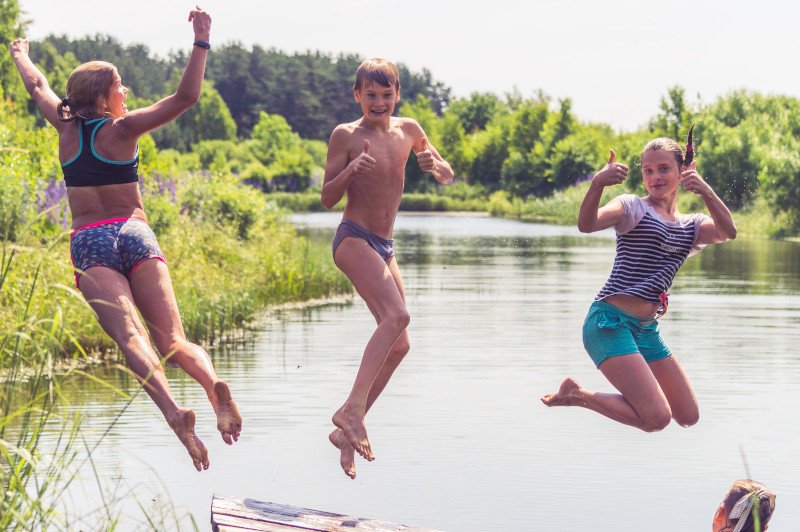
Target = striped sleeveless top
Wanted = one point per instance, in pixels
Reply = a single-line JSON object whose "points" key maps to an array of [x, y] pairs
{"points": [[650, 250]]}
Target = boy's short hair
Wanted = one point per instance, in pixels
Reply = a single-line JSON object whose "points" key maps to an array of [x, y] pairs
{"points": [[377, 70]]}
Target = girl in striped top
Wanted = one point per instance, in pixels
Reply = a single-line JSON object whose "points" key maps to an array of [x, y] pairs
{"points": [[620, 332]]}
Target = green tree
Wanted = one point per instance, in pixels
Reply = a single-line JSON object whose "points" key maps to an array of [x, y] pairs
{"points": [[420, 110], [491, 150], [675, 116], [780, 180], [729, 161], [476, 111], [143, 74], [454, 145], [271, 136], [11, 27], [575, 158], [210, 119], [528, 124]]}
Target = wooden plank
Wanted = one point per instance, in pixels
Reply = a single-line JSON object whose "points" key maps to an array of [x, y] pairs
{"points": [[251, 514], [243, 524]]}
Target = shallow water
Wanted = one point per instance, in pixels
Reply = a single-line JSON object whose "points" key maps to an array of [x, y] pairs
{"points": [[461, 439]]}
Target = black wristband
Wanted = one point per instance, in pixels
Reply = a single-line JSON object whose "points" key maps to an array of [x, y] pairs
{"points": [[202, 44]]}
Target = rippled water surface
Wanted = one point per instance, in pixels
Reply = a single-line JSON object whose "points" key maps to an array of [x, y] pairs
{"points": [[461, 439]]}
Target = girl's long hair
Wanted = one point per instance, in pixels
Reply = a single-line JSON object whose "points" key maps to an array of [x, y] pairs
{"points": [[87, 91]]}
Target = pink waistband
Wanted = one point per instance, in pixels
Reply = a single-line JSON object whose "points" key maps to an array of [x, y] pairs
{"points": [[101, 222]]}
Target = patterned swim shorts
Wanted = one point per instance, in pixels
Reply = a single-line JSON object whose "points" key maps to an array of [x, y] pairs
{"points": [[121, 244]]}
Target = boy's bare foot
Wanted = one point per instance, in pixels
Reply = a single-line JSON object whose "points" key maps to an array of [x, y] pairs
{"points": [[229, 421], [352, 424], [347, 456], [183, 425], [566, 395]]}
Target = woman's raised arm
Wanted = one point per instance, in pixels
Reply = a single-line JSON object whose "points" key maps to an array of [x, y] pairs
{"points": [[36, 84], [139, 121]]}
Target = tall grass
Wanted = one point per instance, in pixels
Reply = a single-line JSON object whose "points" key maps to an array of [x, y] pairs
{"points": [[31, 482], [230, 256]]}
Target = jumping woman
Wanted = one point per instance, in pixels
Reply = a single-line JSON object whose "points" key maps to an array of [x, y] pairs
{"points": [[119, 267]]}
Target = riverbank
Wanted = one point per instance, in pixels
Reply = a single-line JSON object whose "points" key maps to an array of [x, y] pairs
{"points": [[559, 208], [221, 284]]}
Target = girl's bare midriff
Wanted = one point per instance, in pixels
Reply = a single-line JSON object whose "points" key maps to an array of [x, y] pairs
{"points": [[95, 204], [633, 305]]}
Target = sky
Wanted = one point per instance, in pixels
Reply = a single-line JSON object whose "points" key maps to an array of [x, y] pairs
{"points": [[615, 59]]}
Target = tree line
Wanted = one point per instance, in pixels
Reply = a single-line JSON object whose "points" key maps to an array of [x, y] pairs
{"points": [[264, 116]]}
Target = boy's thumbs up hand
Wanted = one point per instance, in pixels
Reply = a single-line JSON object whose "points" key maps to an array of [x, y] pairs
{"points": [[613, 173], [425, 157], [364, 163]]}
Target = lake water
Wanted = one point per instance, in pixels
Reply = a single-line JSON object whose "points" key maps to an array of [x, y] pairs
{"points": [[461, 439]]}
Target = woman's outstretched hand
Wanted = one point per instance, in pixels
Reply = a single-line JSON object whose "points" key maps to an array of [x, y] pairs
{"points": [[201, 22], [20, 46]]}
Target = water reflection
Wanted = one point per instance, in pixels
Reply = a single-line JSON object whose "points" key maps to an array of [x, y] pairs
{"points": [[461, 439]]}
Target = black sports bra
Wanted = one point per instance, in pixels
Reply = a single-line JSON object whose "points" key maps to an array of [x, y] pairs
{"points": [[90, 169]]}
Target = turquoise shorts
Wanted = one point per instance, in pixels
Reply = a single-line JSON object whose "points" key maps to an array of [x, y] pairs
{"points": [[610, 332]]}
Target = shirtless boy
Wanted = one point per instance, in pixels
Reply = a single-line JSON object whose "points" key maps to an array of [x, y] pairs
{"points": [[367, 159]]}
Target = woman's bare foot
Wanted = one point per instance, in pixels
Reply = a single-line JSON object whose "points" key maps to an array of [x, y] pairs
{"points": [[347, 456], [183, 425], [229, 421], [566, 395], [352, 424]]}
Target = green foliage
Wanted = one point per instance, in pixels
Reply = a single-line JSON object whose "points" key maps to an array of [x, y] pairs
{"points": [[674, 118], [730, 162], [454, 145], [283, 152], [224, 156], [313, 90], [291, 170], [144, 74], [282, 104], [272, 135], [10, 29], [210, 119], [491, 150], [421, 111], [575, 157], [523, 174], [222, 201], [527, 125], [477, 111], [28, 167], [318, 150], [780, 179]]}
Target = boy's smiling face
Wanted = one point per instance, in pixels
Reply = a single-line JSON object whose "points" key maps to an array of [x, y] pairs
{"points": [[377, 102]]}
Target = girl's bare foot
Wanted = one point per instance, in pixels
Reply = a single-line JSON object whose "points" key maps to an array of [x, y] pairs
{"points": [[183, 425], [347, 456], [229, 421], [566, 395], [352, 424]]}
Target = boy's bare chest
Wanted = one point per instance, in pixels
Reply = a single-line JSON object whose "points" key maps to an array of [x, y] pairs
{"points": [[390, 151]]}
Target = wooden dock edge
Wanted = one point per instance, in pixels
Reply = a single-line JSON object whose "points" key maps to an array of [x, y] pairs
{"points": [[236, 514]]}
